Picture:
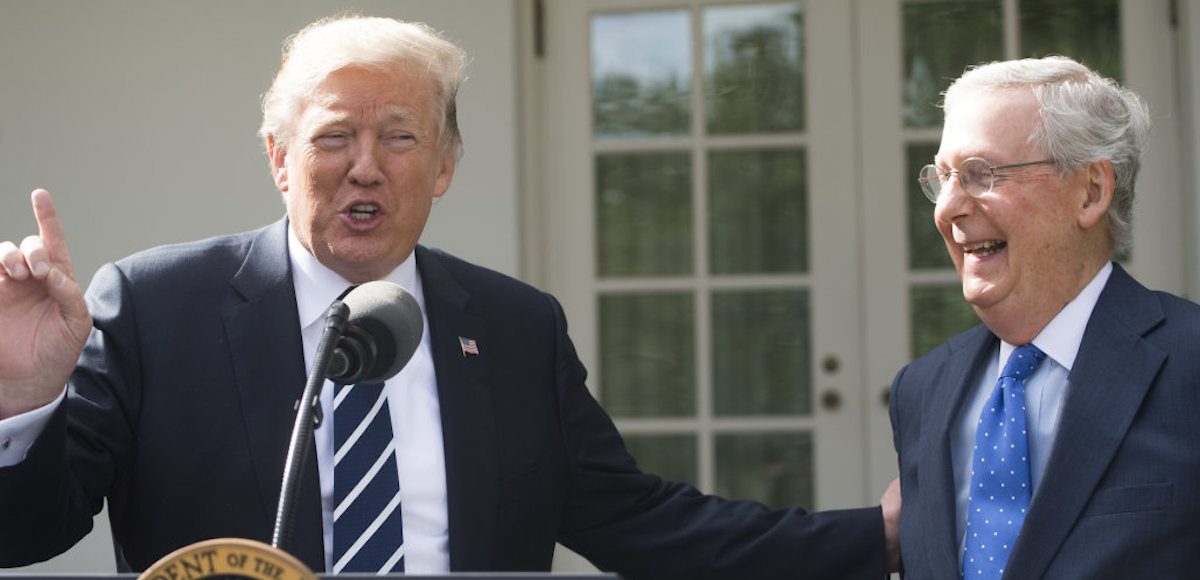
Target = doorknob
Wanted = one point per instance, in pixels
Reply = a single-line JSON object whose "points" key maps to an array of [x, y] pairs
{"points": [[830, 364], [886, 396], [831, 400]]}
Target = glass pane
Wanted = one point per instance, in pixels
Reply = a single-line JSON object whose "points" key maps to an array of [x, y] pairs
{"points": [[926, 249], [1086, 30], [754, 68], [942, 37], [641, 74], [938, 312], [647, 355], [761, 357], [671, 457], [644, 214], [758, 211], [773, 468]]}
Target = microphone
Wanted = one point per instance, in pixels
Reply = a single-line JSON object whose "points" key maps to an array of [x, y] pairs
{"points": [[384, 330], [369, 335]]}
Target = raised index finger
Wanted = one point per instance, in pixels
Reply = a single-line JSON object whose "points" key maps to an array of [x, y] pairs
{"points": [[51, 231]]}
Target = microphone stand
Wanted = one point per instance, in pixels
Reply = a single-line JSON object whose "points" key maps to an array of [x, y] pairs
{"points": [[306, 420]]}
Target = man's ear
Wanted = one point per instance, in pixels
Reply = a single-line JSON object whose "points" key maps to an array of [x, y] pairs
{"points": [[277, 153], [1099, 185], [445, 174]]}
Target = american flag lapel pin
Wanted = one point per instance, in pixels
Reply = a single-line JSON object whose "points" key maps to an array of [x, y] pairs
{"points": [[469, 346]]}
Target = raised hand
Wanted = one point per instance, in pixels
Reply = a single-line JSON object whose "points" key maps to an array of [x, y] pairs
{"points": [[44, 321]]}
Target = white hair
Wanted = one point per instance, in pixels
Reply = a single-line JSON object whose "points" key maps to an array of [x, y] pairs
{"points": [[1084, 118], [332, 44]]}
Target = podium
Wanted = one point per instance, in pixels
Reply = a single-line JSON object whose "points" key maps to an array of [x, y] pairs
{"points": [[235, 558]]}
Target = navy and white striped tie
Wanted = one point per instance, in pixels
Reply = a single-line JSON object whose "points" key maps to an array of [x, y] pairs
{"points": [[368, 535]]}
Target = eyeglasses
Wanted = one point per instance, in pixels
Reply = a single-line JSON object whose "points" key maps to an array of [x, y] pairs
{"points": [[975, 175]]}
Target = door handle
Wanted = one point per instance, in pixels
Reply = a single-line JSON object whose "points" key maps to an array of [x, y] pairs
{"points": [[831, 400]]}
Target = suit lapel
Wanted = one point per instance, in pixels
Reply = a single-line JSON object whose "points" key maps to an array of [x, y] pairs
{"points": [[468, 426], [268, 363], [1114, 369], [968, 352]]}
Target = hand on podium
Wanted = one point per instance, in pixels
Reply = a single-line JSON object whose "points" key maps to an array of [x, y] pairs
{"points": [[44, 320]]}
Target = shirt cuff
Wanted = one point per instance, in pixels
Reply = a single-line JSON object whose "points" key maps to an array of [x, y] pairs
{"points": [[18, 433]]}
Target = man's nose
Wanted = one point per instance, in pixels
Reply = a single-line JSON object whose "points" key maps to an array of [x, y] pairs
{"points": [[953, 200], [365, 165]]}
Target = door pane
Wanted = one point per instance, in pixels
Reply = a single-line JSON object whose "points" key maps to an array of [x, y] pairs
{"points": [[641, 74], [754, 68], [644, 214], [761, 352], [938, 312], [758, 211], [648, 358], [942, 37], [925, 246], [1086, 30], [671, 457], [774, 468]]}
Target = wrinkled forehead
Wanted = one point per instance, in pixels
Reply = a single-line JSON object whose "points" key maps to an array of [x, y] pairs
{"points": [[995, 124], [395, 92]]}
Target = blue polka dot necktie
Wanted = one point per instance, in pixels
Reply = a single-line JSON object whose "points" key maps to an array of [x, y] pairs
{"points": [[368, 535], [1000, 481]]}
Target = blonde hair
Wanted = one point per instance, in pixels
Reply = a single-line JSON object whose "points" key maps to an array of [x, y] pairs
{"points": [[332, 44]]}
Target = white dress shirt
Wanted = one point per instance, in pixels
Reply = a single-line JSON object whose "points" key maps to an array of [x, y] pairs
{"points": [[1045, 393], [416, 417]]}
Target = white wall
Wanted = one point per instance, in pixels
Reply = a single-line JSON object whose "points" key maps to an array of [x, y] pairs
{"points": [[140, 118]]}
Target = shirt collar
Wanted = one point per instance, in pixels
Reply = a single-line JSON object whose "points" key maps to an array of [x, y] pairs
{"points": [[1061, 338], [317, 286]]}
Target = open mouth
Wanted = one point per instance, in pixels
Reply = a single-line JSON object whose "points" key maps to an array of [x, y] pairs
{"points": [[363, 211], [985, 249]]}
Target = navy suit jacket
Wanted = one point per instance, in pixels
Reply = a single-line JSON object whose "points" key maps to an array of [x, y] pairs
{"points": [[180, 410], [1118, 498]]}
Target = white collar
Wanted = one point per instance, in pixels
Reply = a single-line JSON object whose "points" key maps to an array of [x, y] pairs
{"points": [[317, 286], [1061, 338]]}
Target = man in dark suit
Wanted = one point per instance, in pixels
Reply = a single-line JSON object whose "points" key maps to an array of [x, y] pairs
{"points": [[184, 365], [1079, 459]]}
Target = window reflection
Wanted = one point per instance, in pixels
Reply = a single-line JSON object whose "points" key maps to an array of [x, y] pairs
{"points": [[774, 468], [938, 312], [641, 74], [648, 355], [941, 38], [754, 68], [1087, 30]]}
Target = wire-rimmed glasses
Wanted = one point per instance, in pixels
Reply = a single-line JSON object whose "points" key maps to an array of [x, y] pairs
{"points": [[975, 175]]}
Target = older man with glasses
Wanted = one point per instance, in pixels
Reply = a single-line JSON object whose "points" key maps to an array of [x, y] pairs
{"points": [[1058, 439]]}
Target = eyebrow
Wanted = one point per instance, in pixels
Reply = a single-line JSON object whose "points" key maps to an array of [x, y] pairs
{"points": [[973, 155], [326, 117]]}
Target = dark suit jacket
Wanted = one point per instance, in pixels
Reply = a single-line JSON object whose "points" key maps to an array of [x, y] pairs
{"points": [[180, 410], [1118, 497]]}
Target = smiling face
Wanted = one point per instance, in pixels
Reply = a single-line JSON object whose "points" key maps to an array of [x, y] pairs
{"points": [[362, 168], [1028, 247]]}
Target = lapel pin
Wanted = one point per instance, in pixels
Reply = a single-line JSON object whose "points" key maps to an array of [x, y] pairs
{"points": [[469, 346]]}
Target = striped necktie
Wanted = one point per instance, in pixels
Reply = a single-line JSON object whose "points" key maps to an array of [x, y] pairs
{"points": [[368, 535], [1001, 485]]}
